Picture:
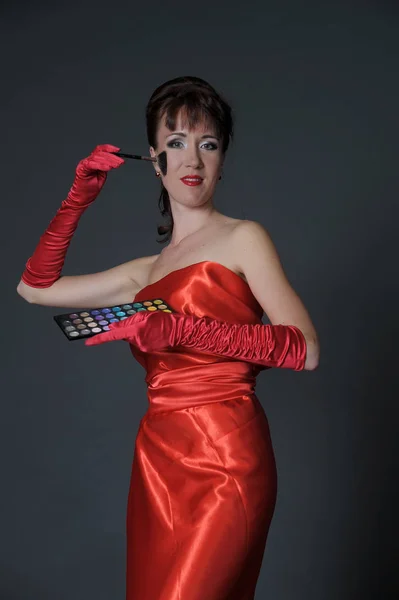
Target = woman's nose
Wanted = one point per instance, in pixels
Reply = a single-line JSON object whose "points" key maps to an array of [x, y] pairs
{"points": [[193, 158]]}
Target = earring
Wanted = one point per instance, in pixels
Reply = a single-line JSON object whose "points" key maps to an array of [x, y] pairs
{"points": [[158, 174]]}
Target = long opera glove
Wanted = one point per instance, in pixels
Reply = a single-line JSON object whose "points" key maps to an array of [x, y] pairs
{"points": [[45, 265], [281, 346]]}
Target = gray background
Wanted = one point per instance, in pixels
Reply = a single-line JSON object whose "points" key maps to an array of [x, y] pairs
{"points": [[315, 90]]}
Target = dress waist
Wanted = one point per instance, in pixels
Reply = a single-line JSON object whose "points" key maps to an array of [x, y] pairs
{"points": [[185, 387]]}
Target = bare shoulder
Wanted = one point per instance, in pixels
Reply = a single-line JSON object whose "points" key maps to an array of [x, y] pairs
{"points": [[140, 267], [250, 238], [246, 229], [232, 229]]}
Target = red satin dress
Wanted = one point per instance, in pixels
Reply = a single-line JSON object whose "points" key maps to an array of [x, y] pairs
{"points": [[204, 482]]}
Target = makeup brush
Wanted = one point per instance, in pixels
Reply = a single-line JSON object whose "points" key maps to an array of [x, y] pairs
{"points": [[160, 159]]}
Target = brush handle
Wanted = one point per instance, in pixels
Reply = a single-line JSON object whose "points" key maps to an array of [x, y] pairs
{"points": [[136, 156]]}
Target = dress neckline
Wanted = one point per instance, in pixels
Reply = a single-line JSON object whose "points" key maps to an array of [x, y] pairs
{"points": [[211, 262]]}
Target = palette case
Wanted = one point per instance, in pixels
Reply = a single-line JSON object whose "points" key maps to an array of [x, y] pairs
{"points": [[83, 324]]}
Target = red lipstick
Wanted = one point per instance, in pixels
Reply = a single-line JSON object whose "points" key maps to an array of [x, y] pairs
{"points": [[191, 180]]}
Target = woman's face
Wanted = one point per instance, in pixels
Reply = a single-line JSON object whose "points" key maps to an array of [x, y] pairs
{"points": [[194, 162]]}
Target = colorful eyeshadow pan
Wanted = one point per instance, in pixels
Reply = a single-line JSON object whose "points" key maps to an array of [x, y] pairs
{"points": [[92, 321]]}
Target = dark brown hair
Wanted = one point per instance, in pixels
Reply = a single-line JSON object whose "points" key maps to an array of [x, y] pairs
{"points": [[200, 101]]}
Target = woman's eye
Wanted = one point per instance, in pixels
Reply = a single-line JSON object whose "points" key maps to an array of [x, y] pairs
{"points": [[210, 146], [174, 144]]}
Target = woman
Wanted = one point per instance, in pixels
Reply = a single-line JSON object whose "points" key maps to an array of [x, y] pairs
{"points": [[203, 482]]}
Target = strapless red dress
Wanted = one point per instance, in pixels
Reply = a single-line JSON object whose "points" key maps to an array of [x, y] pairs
{"points": [[204, 482]]}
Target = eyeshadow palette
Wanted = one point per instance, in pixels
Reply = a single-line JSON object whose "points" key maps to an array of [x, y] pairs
{"points": [[86, 323]]}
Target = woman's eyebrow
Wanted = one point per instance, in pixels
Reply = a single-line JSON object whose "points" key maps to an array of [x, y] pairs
{"points": [[182, 134]]}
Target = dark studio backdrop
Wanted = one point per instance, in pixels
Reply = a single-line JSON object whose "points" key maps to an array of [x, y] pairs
{"points": [[315, 90]]}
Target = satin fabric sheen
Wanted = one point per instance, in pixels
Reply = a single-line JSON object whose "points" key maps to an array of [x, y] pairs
{"points": [[204, 481]]}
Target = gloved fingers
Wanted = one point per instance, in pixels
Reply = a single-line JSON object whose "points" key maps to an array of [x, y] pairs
{"points": [[101, 162], [121, 330], [103, 153], [106, 148], [107, 336], [129, 321]]}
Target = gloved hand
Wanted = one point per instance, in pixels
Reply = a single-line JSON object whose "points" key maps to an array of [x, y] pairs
{"points": [[91, 174], [137, 330]]}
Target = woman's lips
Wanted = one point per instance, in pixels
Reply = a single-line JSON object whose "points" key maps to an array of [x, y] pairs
{"points": [[191, 180]]}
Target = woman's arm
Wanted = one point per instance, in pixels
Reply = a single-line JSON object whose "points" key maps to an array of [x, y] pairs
{"points": [[257, 258], [278, 346], [42, 282], [117, 285]]}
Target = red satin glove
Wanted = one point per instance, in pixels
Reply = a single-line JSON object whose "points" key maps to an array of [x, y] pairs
{"points": [[148, 337], [45, 265], [282, 346]]}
